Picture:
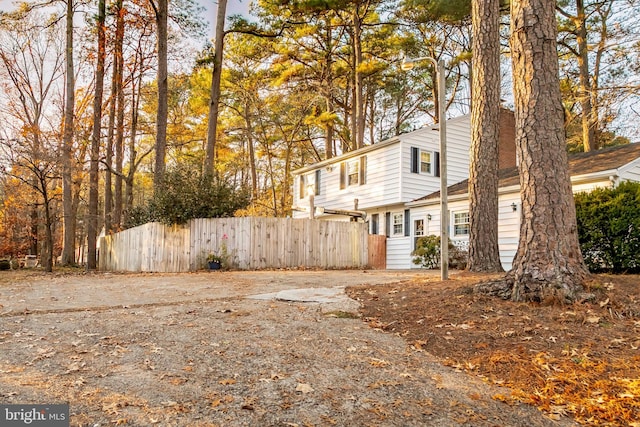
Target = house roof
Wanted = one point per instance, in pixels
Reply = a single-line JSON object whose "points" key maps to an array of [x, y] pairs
{"points": [[347, 155], [592, 163]]}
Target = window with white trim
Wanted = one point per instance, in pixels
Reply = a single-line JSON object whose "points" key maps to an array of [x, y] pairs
{"points": [[461, 223], [425, 162], [398, 224], [353, 172], [418, 227], [309, 184]]}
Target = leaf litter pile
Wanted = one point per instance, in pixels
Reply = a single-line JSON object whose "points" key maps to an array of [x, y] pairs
{"points": [[580, 360]]}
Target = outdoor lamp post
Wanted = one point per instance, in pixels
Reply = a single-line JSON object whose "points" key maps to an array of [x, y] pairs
{"points": [[408, 64]]}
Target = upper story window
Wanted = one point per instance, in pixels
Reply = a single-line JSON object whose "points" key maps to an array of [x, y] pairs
{"points": [[353, 172], [309, 184], [461, 223], [425, 162]]}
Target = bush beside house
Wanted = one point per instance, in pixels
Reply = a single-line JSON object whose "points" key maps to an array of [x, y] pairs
{"points": [[609, 228]]}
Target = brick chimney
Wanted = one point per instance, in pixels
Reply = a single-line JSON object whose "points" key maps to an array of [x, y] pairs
{"points": [[507, 139]]}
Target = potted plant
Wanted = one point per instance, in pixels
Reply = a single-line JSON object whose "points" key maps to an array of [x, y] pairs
{"points": [[214, 262]]}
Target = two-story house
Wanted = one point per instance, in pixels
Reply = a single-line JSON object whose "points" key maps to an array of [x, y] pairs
{"points": [[379, 180], [394, 185]]}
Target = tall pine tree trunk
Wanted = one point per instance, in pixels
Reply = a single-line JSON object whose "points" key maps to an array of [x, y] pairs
{"points": [[584, 88], [92, 214], [358, 80], [162, 14], [119, 141], [69, 218], [548, 265], [116, 88], [214, 101], [484, 255]]}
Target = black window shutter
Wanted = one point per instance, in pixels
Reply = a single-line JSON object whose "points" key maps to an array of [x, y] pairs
{"points": [[407, 222], [415, 153], [387, 226], [317, 181], [343, 175], [363, 170], [436, 163]]}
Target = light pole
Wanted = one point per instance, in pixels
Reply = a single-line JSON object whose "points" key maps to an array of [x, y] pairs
{"points": [[408, 64]]}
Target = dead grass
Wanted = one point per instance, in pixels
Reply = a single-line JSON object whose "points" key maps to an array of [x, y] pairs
{"points": [[581, 360]]}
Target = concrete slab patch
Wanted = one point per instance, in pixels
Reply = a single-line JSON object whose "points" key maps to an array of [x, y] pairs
{"points": [[330, 299]]}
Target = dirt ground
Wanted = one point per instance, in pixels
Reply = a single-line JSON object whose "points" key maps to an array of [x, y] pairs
{"points": [[581, 360], [201, 350]]}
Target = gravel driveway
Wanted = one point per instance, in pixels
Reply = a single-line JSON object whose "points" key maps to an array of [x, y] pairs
{"points": [[209, 349]]}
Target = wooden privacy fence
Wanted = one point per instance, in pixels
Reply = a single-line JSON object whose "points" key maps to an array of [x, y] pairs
{"points": [[247, 243]]}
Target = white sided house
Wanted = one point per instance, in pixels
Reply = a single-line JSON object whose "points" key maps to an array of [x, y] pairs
{"points": [[394, 185], [378, 182], [597, 169]]}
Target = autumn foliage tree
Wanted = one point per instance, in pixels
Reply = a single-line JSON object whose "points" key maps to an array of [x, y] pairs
{"points": [[304, 81]]}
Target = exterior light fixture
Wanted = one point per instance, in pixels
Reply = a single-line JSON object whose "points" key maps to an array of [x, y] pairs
{"points": [[514, 207]]}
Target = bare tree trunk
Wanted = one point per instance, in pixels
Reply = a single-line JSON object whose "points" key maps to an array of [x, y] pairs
{"points": [[285, 202], [116, 88], [136, 87], [584, 90], [328, 85], [162, 13], [119, 159], [358, 80], [548, 265], [46, 258], [119, 142], [214, 101], [69, 220], [33, 233], [252, 153], [484, 255], [92, 214]]}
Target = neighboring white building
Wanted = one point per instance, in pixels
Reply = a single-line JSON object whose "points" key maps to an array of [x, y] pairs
{"points": [[597, 169], [396, 184]]}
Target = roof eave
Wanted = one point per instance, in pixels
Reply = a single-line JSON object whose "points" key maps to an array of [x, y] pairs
{"points": [[346, 156]]}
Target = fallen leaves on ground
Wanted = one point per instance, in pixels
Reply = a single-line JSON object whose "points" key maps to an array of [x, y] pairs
{"points": [[581, 360]]}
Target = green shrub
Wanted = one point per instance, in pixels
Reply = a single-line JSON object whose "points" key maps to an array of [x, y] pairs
{"points": [[609, 228], [185, 195], [427, 253]]}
